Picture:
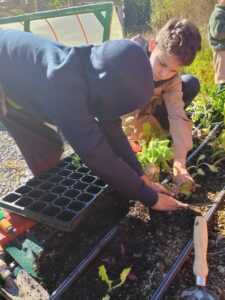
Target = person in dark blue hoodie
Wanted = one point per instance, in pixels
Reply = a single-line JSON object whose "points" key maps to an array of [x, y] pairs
{"points": [[82, 92]]}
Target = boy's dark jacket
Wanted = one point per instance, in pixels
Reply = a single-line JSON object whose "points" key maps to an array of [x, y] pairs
{"points": [[216, 28], [83, 91]]}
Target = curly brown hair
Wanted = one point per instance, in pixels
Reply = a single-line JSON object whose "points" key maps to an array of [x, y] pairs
{"points": [[181, 38]]}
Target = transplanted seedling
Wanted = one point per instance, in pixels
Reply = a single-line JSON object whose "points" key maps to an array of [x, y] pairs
{"points": [[104, 276], [181, 191], [155, 153], [197, 168], [184, 190]]}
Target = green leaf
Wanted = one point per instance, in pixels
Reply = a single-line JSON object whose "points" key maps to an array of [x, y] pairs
{"points": [[186, 185], [191, 167], [201, 157], [194, 175], [106, 297], [200, 172], [146, 129], [213, 168], [186, 193], [124, 274], [224, 114], [103, 275], [218, 153]]}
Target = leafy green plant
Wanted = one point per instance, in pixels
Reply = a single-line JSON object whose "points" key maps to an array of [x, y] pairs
{"points": [[151, 131], [218, 100], [184, 190], [197, 168], [156, 151], [75, 160], [201, 111], [202, 67], [104, 277], [219, 148], [219, 144], [181, 191]]}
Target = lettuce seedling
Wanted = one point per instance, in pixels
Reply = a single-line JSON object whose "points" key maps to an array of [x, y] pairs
{"points": [[155, 153], [104, 277], [181, 191], [197, 168]]}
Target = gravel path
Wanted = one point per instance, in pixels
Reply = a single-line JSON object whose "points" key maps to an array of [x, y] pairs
{"points": [[13, 168]]}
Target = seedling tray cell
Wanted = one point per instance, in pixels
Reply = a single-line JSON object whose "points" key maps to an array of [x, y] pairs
{"points": [[59, 197]]}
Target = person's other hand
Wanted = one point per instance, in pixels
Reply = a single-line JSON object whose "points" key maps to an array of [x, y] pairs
{"points": [[181, 175], [157, 187], [167, 203]]}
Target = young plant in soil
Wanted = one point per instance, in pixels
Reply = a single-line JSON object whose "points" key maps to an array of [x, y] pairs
{"points": [[219, 145], [153, 155], [104, 277], [198, 170], [152, 148], [219, 148], [201, 112], [182, 191]]}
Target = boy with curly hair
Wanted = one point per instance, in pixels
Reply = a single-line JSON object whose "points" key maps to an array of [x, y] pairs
{"points": [[174, 47]]}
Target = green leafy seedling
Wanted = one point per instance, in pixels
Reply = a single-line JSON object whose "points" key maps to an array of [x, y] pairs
{"points": [[104, 277], [184, 190], [157, 151], [181, 191], [76, 160], [198, 170]]}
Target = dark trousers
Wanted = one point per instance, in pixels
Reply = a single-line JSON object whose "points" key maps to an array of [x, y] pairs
{"points": [[40, 145], [190, 89]]}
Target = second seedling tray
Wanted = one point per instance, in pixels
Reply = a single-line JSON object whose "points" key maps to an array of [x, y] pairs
{"points": [[58, 197]]}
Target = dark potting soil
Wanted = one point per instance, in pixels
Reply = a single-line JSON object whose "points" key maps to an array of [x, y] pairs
{"points": [[63, 251], [149, 243]]}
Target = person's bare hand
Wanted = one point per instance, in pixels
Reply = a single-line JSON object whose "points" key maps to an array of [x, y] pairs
{"points": [[167, 203], [157, 187], [181, 175]]}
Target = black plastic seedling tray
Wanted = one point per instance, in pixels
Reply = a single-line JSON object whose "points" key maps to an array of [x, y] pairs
{"points": [[58, 197]]}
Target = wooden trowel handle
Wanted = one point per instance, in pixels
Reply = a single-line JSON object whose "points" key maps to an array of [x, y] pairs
{"points": [[200, 267]]}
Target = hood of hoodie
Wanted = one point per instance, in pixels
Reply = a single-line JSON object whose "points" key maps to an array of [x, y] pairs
{"points": [[120, 78], [220, 7]]}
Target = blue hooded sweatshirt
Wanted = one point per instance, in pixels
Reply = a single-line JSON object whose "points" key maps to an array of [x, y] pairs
{"points": [[83, 91]]}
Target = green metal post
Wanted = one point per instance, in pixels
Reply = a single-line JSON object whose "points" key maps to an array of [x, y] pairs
{"points": [[96, 9]]}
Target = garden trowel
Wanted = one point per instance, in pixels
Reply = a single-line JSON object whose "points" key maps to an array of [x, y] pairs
{"points": [[23, 287], [19, 287], [200, 267]]}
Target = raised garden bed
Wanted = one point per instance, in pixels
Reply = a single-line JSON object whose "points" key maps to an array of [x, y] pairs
{"points": [[149, 243]]}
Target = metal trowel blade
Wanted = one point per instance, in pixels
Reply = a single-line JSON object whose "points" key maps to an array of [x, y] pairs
{"points": [[198, 294]]}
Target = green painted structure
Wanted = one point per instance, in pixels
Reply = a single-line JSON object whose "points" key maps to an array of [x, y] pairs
{"points": [[78, 25]]}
